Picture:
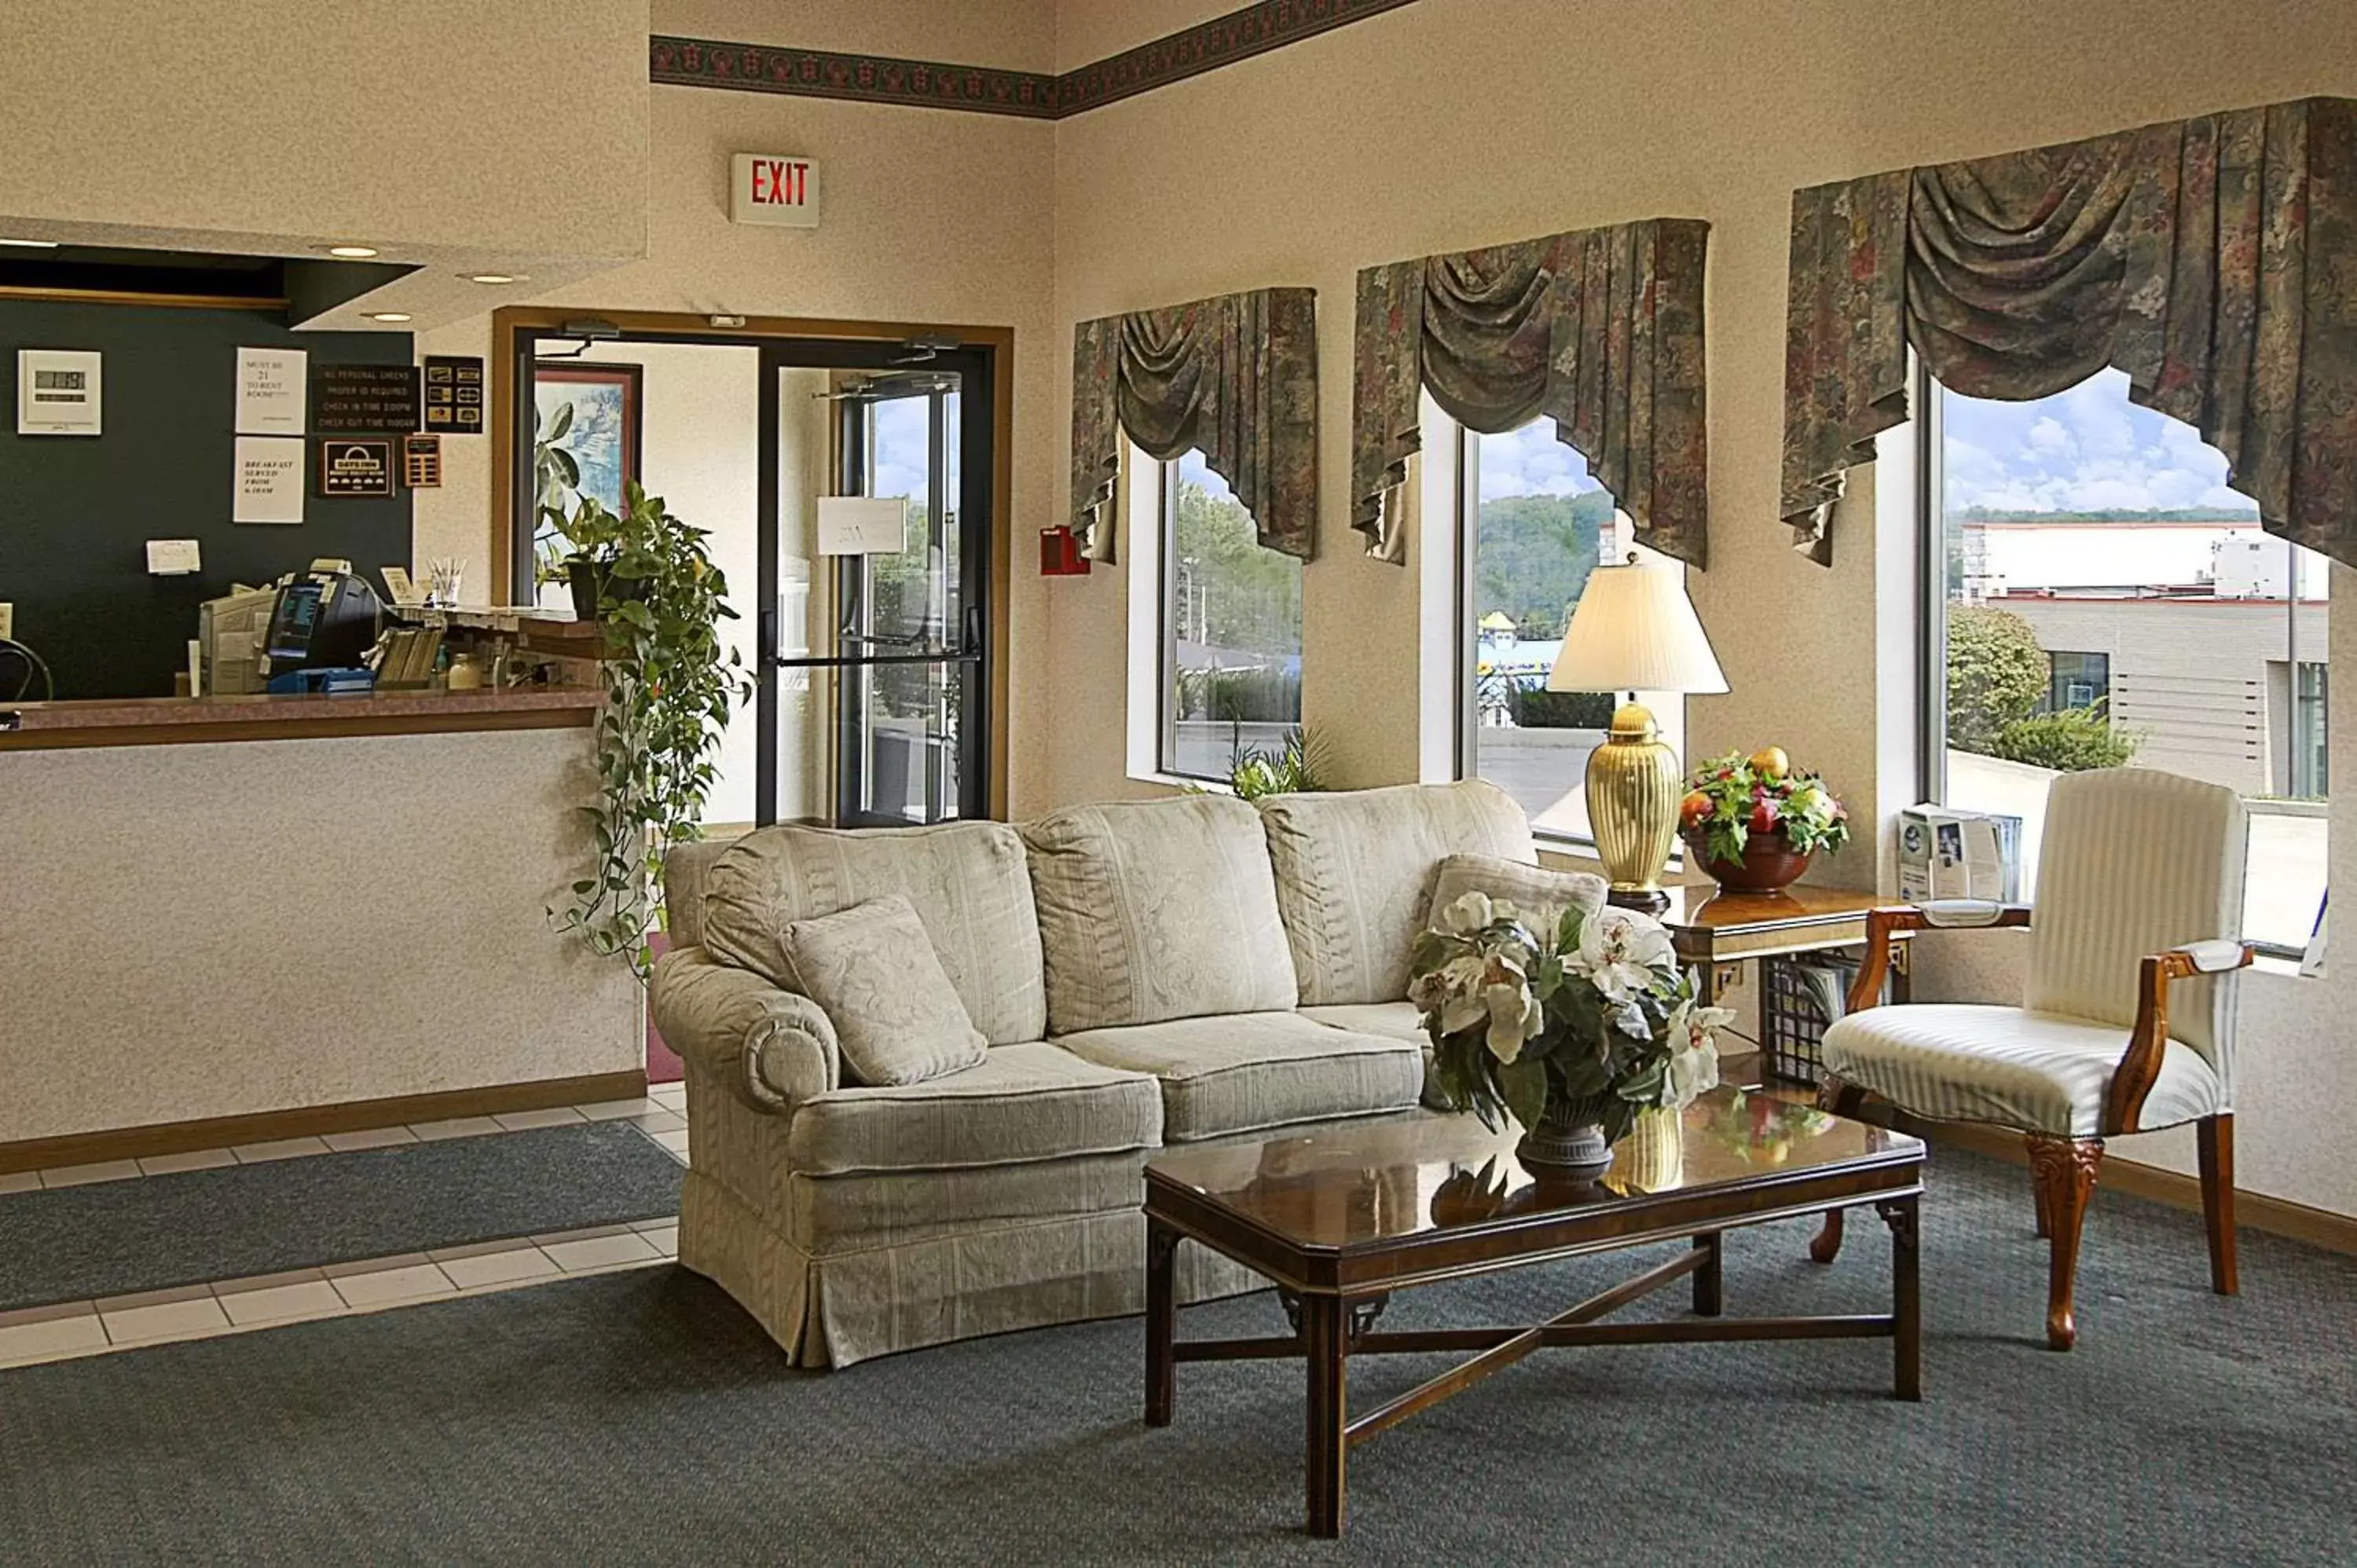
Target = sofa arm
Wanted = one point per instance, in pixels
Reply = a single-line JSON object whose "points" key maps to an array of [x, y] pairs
{"points": [[774, 1048]]}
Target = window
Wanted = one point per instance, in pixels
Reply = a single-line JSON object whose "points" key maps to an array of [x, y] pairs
{"points": [[1230, 625], [2102, 597], [1534, 523]]}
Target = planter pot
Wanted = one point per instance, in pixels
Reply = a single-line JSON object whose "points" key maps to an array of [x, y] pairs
{"points": [[1770, 863], [592, 580], [1567, 1144]]}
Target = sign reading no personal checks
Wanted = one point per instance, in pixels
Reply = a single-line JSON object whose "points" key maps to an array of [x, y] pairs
{"points": [[783, 192]]}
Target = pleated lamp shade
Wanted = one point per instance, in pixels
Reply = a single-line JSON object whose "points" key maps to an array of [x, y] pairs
{"points": [[1635, 630]]}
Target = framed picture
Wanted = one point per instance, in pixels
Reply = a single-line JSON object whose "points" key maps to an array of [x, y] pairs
{"points": [[594, 414]]}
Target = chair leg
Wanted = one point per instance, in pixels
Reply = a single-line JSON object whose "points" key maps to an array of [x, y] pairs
{"points": [[1842, 1100], [2065, 1172], [2214, 1139]]}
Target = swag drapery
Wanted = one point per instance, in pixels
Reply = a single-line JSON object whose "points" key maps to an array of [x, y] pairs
{"points": [[1600, 328], [1235, 376], [2213, 259]]}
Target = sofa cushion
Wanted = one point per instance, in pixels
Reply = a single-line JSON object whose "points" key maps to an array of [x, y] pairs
{"points": [[686, 867], [967, 881], [1541, 894], [891, 1209], [1023, 1102], [1156, 909], [1244, 1073], [1385, 1020], [897, 1017], [1354, 873]]}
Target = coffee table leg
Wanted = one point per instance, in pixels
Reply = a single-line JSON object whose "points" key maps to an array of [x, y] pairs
{"points": [[1906, 1297], [1324, 1321], [1161, 1321], [1708, 1281]]}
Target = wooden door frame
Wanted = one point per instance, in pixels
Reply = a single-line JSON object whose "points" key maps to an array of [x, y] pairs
{"points": [[753, 331]]}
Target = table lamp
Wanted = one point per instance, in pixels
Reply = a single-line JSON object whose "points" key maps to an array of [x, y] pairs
{"points": [[1634, 631]]}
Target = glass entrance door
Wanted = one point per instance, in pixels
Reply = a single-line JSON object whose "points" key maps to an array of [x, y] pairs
{"points": [[874, 680]]}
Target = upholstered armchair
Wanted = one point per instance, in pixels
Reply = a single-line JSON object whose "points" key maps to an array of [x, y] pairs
{"points": [[2127, 1022]]}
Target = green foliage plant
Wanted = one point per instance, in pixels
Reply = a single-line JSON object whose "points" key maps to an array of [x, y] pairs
{"points": [[1996, 674], [557, 487], [2075, 740], [1295, 765], [1731, 798], [670, 685]]}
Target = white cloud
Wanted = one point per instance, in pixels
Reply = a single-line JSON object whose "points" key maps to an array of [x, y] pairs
{"points": [[2085, 450], [1530, 461]]}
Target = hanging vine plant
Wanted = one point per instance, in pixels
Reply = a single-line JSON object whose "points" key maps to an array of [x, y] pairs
{"points": [[670, 684]]}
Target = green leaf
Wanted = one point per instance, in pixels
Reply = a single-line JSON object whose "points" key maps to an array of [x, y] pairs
{"points": [[1522, 1083], [559, 423]]}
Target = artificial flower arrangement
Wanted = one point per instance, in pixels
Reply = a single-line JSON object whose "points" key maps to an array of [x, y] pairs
{"points": [[1584, 1024], [1734, 800]]}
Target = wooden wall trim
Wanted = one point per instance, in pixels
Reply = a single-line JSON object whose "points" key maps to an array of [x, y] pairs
{"points": [[312, 1121], [1240, 35]]}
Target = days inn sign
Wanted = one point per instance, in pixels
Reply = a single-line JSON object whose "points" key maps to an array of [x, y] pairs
{"points": [[781, 191]]}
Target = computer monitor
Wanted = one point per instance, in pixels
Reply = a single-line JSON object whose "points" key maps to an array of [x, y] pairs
{"points": [[321, 620]]}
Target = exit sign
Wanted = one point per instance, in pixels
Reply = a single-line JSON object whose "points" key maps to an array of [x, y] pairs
{"points": [[783, 192]]}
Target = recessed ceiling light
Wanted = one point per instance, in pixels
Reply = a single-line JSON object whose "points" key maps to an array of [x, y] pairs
{"points": [[351, 252], [389, 315], [31, 244], [490, 277]]}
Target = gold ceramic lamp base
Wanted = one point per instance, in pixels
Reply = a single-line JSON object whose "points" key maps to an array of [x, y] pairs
{"points": [[1633, 786]]}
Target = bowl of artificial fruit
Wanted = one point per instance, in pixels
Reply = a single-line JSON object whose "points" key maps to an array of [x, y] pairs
{"points": [[1753, 824]]}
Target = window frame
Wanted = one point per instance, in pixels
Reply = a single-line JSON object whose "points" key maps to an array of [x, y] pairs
{"points": [[1928, 419]]}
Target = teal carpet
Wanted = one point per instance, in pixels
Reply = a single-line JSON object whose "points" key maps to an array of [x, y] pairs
{"points": [[77, 1243], [639, 1417]]}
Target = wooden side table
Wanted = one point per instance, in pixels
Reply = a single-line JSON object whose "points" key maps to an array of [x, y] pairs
{"points": [[1715, 931]]}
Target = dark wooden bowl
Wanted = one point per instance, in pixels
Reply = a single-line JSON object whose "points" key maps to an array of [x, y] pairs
{"points": [[1770, 863]]}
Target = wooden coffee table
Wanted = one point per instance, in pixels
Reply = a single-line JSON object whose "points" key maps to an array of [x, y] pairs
{"points": [[1339, 1219]]}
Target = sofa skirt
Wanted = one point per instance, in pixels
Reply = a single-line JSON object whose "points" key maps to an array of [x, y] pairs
{"points": [[835, 1309]]}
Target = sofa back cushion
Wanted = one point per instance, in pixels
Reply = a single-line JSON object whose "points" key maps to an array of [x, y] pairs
{"points": [[966, 880], [1355, 871], [685, 868], [1156, 909]]}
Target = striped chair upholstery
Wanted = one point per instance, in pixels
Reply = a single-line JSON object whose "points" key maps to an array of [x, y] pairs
{"points": [[2136, 861]]}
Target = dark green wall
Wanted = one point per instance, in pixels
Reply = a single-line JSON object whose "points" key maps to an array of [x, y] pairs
{"points": [[76, 513]]}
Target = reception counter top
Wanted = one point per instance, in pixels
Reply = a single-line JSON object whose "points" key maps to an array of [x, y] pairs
{"points": [[181, 721]]}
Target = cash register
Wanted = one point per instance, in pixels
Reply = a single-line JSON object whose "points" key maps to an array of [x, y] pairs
{"points": [[321, 625]]}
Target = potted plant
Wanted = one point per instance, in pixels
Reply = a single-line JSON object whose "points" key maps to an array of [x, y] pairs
{"points": [[1572, 1032], [669, 684], [1753, 824]]}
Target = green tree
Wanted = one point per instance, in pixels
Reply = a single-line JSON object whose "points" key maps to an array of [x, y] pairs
{"points": [[1533, 555], [1996, 674], [1237, 593]]}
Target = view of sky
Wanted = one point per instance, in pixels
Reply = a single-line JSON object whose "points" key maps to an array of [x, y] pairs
{"points": [[2087, 449], [1532, 462]]}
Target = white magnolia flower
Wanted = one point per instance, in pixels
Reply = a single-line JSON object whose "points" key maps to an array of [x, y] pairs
{"points": [[1468, 914], [1621, 952], [1692, 1034], [1630, 1020], [1515, 1017]]}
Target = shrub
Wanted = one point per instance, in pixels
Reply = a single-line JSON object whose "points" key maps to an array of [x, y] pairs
{"points": [[1535, 707], [1239, 696], [1997, 674], [2075, 740]]}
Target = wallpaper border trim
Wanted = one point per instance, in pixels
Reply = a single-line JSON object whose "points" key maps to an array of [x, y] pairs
{"points": [[1240, 35]]}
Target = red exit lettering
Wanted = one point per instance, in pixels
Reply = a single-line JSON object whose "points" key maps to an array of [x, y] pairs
{"points": [[780, 182]]}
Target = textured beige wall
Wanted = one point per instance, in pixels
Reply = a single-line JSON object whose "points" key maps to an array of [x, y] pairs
{"points": [[1089, 30], [208, 931], [1014, 35], [283, 125]]}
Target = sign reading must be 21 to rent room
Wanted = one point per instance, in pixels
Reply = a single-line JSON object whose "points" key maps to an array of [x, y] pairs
{"points": [[781, 191]]}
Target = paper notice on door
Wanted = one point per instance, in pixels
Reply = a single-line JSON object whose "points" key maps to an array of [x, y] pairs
{"points": [[858, 525], [270, 391], [269, 480]]}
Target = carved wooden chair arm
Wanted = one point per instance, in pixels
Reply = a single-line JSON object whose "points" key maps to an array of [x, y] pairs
{"points": [[2139, 1068], [1940, 914]]}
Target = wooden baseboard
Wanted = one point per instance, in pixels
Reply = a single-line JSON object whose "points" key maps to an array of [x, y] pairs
{"points": [[313, 1120], [2277, 1216]]}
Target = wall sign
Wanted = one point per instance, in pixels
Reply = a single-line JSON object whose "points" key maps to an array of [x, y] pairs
{"points": [[453, 394], [421, 462], [350, 467], [783, 192], [269, 480], [363, 397], [270, 391], [57, 392]]}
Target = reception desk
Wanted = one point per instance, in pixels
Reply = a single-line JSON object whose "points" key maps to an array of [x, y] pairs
{"points": [[232, 919]]}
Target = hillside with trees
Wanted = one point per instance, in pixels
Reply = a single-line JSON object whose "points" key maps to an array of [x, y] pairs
{"points": [[1533, 555]]}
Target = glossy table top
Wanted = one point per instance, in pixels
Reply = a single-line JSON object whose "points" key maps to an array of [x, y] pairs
{"points": [[1706, 908], [1398, 1180]]}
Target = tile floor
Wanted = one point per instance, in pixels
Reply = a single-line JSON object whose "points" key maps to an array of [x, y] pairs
{"points": [[230, 1307]]}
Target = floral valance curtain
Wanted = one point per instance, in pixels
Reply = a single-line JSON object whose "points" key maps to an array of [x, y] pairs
{"points": [[1235, 376], [2213, 259], [1600, 328]]}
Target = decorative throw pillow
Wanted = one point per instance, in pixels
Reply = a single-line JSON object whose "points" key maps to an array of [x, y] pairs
{"points": [[897, 1018], [1540, 894]]}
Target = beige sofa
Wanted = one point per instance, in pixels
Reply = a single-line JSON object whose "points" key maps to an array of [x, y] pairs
{"points": [[1186, 970]]}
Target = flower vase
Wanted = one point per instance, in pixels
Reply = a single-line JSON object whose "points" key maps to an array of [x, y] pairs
{"points": [[1652, 1158], [1567, 1144]]}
